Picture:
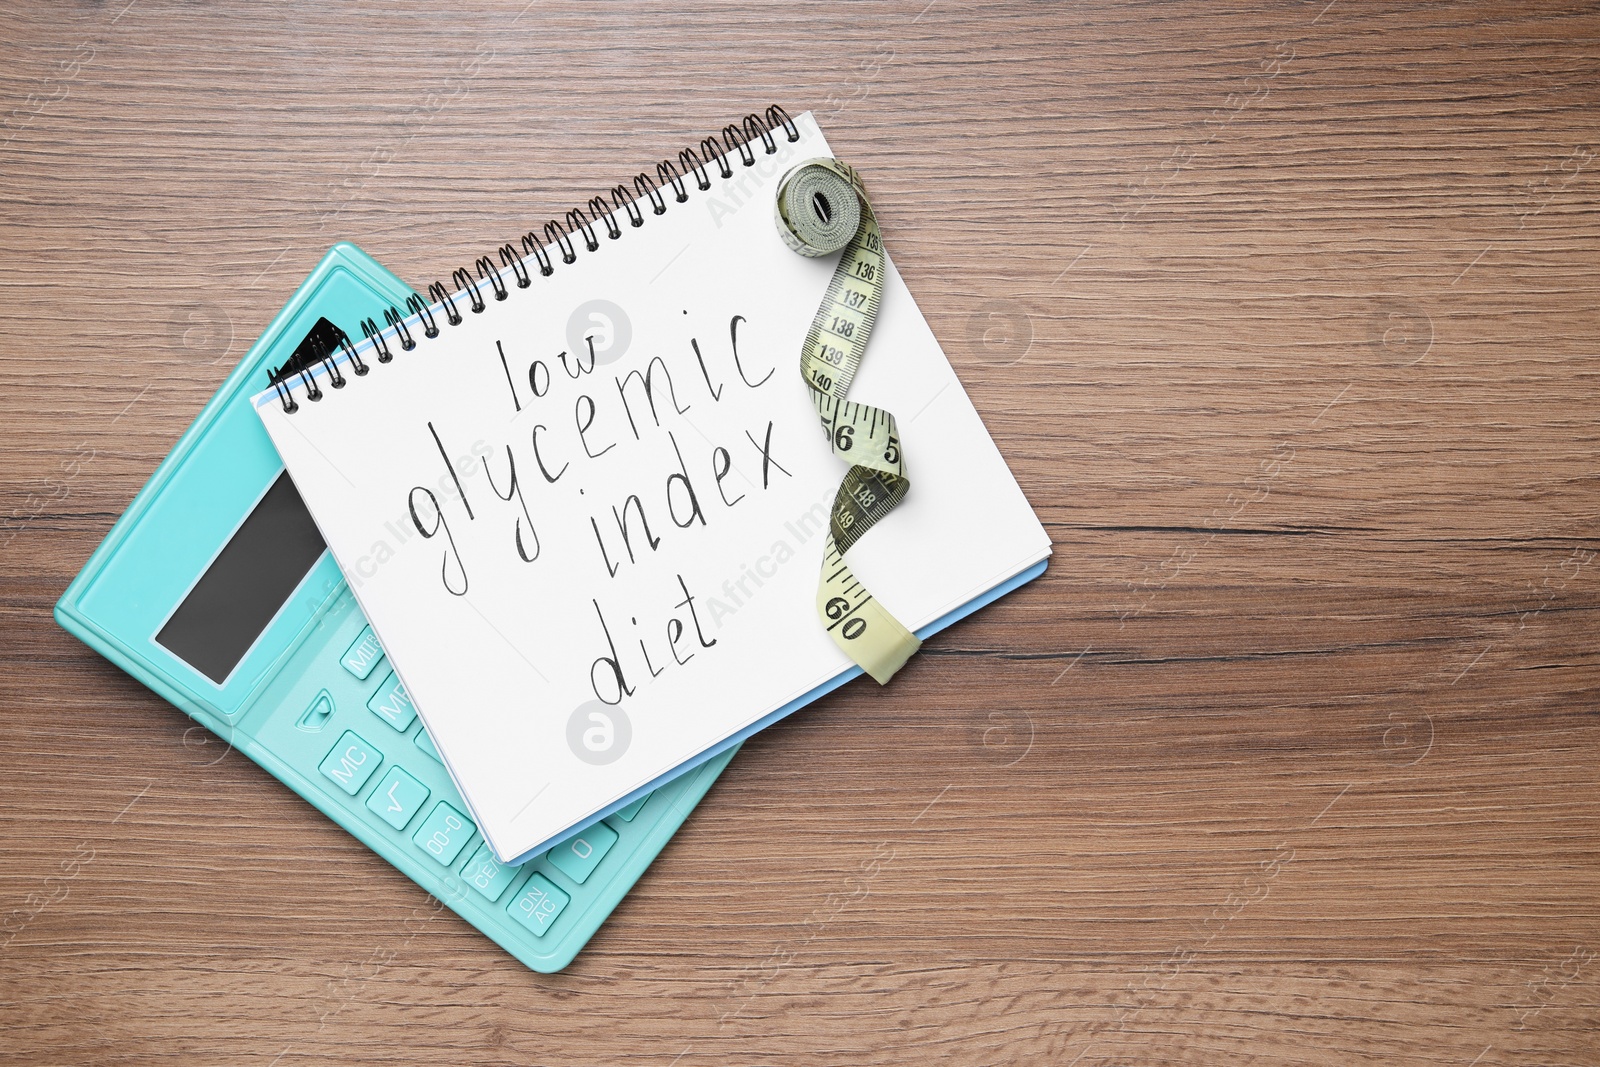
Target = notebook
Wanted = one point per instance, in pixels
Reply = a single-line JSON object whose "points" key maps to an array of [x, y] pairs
{"points": [[582, 497]]}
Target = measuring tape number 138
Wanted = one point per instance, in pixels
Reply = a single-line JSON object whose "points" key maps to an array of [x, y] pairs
{"points": [[822, 208]]}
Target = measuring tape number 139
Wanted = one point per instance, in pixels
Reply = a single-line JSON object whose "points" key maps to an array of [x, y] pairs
{"points": [[822, 208]]}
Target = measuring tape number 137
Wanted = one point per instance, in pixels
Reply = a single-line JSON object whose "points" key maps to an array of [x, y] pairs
{"points": [[822, 208]]}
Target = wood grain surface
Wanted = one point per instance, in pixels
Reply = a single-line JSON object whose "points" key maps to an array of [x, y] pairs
{"points": [[1284, 315]]}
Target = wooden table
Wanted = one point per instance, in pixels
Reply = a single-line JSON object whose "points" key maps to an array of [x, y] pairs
{"points": [[1285, 319]]}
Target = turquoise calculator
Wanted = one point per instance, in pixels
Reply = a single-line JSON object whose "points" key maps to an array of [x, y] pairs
{"points": [[215, 590]]}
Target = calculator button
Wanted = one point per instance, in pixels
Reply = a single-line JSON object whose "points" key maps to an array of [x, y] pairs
{"points": [[488, 875], [361, 657], [424, 742], [351, 763], [627, 814], [392, 704], [537, 906], [577, 857], [398, 798], [444, 833]]}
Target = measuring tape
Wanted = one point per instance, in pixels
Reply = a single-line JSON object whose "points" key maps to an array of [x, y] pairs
{"points": [[823, 207]]}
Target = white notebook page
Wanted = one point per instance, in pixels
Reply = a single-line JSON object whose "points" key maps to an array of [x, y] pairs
{"points": [[657, 565]]}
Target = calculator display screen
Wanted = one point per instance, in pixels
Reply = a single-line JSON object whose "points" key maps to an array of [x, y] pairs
{"points": [[251, 578]]}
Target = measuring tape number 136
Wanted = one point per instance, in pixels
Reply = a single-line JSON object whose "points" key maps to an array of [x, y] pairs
{"points": [[822, 208]]}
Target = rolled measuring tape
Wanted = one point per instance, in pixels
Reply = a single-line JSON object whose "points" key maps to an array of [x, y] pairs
{"points": [[822, 208]]}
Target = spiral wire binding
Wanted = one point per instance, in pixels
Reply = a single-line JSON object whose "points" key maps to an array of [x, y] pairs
{"points": [[624, 200], [738, 139], [597, 207], [558, 236], [689, 161], [440, 295], [509, 258], [487, 273], [318, 346], [665, 170]]}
